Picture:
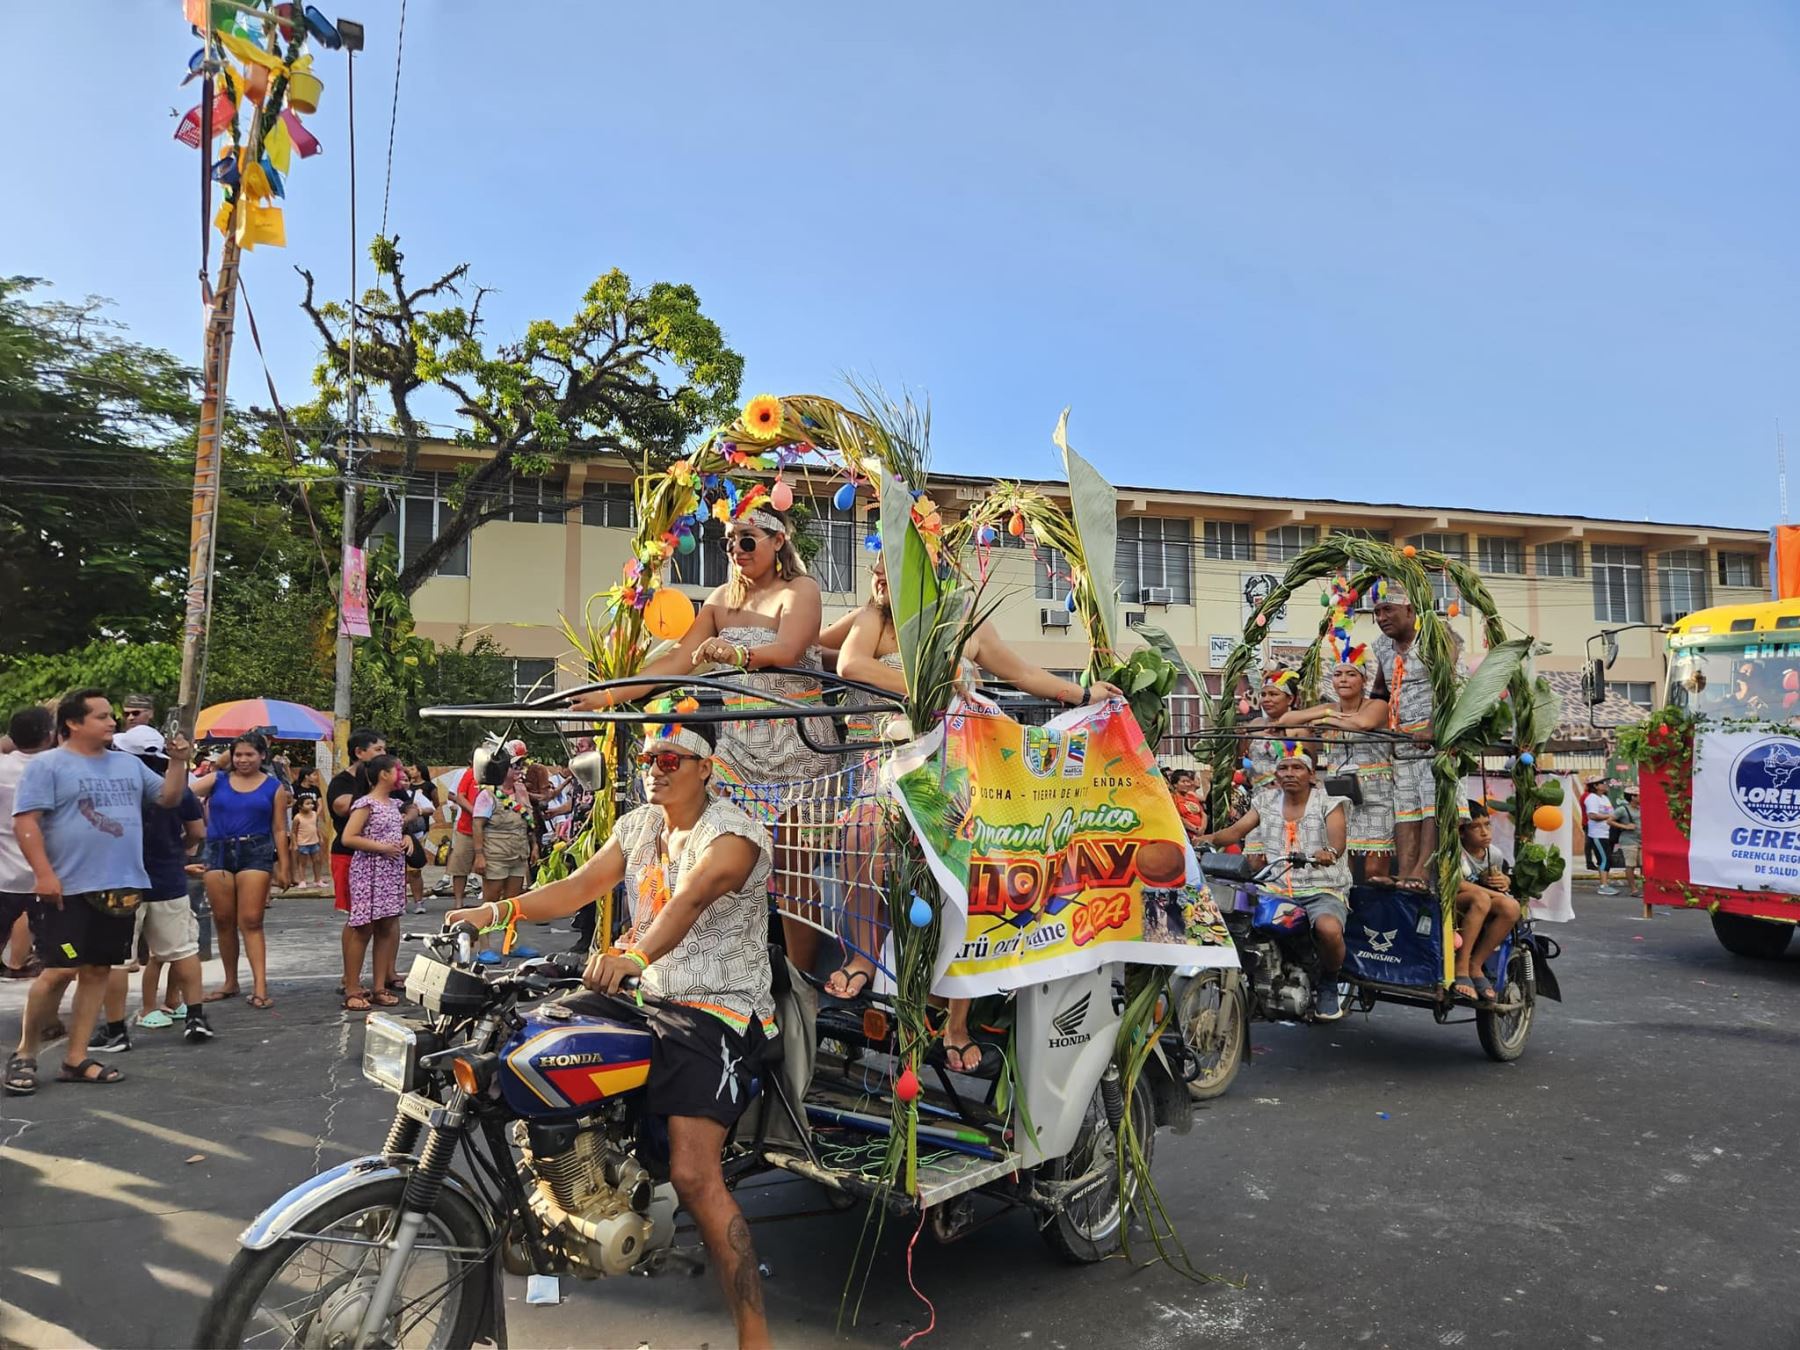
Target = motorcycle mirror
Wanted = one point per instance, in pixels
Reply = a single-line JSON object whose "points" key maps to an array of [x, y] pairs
{"points": [[589, 769], [491, 763]]}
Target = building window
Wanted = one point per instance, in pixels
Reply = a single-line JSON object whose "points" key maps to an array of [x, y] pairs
{"points": [[1454, 546], [531, 676], [1639, 692], [418, 514], [609, 505], [1497, 555], [537, 501], [707, 565], [1738, 569], [1051, 573], [1225, 539], [1559, 560], [1681, 578], [833, 566], [1618, 583], [1289, 541], [1153, 552]]}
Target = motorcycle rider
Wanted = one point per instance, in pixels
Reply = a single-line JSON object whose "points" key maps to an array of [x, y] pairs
{"points": [[696, 869], [1297, 817]]}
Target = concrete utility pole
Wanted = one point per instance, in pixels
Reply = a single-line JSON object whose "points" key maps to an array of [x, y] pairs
{"points": [[352, 33]]}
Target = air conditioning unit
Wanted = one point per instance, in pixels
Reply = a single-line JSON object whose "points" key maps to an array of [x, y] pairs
{"points": [[1134, 618], [1055, 618], [1156, 595]]}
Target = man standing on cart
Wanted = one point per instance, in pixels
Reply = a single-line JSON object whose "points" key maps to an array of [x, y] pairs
{"points": [[1404, 682]]}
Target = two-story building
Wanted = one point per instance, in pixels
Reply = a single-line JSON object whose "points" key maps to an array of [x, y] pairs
{"points": [[1192, 563]]}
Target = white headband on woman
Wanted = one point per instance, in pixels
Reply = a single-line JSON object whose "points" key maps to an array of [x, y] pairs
{"points": [[771, 523], [679, 735]]}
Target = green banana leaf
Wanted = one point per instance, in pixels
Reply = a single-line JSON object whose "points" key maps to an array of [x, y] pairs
{"points": [[1096, 515], [1541, 716], [1164, 646], [1481, 692], [913, 588]]}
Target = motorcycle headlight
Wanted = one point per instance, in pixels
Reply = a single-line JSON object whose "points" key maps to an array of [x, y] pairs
{"points": [[390, 1052]]}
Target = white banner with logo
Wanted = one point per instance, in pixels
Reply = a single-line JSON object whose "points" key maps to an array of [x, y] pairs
{"points": [[1746, 824]]}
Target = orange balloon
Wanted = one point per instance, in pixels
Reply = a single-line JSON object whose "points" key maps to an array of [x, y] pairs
{"points": [[1547, 818], [1409, 551], [1016, 526], [669, 614], [1452, 609]]}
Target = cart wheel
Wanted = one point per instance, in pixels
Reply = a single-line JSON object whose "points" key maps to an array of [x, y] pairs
{"points": [[1503, 1034], [1211, 1019], [1742, 935]]}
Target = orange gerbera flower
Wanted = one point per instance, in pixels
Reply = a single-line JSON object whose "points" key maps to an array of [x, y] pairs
{"points": [[762, 415]]}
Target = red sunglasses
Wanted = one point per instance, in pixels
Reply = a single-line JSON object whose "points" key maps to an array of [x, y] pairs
{"points": [[666, 760]]}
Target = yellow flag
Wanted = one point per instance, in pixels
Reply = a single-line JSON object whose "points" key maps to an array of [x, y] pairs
{"points": [[279, 147], [246, 50]]}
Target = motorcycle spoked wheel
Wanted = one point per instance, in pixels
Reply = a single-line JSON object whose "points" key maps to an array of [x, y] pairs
{"points": [[309, 1294], [1503, 1034], [1090, 1228], [1214, 1026]]}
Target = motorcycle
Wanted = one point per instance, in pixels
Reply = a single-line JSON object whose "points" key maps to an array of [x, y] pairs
{"points": [[520, 1145]]}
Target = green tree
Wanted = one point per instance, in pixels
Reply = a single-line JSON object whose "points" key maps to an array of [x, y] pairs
{"points": [[635, 372]]}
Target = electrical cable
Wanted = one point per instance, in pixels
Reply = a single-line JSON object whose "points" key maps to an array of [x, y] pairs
{"points": [[393, 118]]}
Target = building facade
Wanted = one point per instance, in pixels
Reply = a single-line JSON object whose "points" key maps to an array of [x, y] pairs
{"points": [[1191, 563]]}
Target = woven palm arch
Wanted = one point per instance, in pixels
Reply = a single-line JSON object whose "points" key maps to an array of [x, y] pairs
{"points": [[1500, 704]]}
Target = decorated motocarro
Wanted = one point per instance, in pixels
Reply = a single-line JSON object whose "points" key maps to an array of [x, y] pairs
{"points": [[1040, 870]]}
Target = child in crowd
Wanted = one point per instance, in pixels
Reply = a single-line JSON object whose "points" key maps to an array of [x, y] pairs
{"points": [[307, 845]]}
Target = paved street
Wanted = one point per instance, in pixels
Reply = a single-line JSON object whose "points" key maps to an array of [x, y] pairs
{"points": [[1633, 1182]]}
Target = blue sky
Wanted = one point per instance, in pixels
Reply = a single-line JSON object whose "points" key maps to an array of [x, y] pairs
{"points": [[1527, 256]]}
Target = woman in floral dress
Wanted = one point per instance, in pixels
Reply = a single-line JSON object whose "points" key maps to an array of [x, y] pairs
{"points": [[376, 837]]}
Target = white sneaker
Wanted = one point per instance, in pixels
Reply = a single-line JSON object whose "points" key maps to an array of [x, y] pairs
{"points": [[1606, 890]]}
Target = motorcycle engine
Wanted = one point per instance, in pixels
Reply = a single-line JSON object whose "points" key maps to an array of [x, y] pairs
{"points": [[1291, 991], [587, 1189]]}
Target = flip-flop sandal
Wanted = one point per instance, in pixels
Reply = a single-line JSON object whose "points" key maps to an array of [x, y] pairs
{"points": [[261, 1002], [1484, 988], [1460, 983], [398, 986], [21, 1076], [382, 999], [358, 1003], [219, 995], [78, 1073], [988, 1066], [849, 995]]}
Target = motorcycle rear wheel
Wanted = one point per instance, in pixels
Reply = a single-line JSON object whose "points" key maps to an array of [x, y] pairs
{"points": [[263, 1302], [1214, 1026], [1091, 1228]]}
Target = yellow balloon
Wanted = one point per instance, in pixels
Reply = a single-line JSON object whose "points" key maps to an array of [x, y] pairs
{"points": [[669, 614]]}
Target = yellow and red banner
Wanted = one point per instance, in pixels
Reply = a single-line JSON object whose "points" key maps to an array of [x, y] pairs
{"points": [[1058, 849]]}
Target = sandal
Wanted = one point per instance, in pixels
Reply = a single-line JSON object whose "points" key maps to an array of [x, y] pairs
{"points": [[985, 1065], [382, 999], [219, 995], [79, 1073], [261, 1002], [29, 971], [1461, 983], [21, 1076], [844, 976], [1484, 987], [397, 985], [357, 1002], [155, 1019]]}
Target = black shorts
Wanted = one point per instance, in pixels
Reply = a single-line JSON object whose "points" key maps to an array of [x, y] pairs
{"points": [[12, 905], [698, 1065], [77, 934]]}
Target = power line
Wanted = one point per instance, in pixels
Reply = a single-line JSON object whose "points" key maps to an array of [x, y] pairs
{"points": [[393, 119]]}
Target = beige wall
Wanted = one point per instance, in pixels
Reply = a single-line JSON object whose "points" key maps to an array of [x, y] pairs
{"points": [[523, 577]]}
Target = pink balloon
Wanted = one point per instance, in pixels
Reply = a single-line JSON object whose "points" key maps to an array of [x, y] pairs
{"points": [[781, 496]]}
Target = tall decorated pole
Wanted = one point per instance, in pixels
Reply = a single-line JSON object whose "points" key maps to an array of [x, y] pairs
{"points": [[251, 63]]}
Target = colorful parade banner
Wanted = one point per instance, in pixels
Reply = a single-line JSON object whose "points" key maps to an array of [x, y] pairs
{"points": [[1058, 849]]}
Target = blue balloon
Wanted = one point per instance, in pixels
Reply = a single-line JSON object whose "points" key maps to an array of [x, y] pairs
{"points": [[1249, 764], [920, 912], [1071, 602], [844, 496], [986, 535], [1528, 759]]}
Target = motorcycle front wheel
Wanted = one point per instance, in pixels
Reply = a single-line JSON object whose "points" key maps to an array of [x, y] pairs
{"points": [[1091, 1227], [310, 1292], [1213, 1026]]}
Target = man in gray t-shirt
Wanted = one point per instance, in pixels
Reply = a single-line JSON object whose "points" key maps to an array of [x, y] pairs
{"points": [[78, 818]]}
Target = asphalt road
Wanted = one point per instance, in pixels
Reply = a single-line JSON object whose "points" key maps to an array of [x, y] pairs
{"points": [[1634, 1181]]}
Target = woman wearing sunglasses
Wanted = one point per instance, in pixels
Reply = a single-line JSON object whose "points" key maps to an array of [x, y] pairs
{"points": [[766, 615]]}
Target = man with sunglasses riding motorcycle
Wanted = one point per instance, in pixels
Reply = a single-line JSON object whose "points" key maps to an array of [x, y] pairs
{"points": [[696, 874]]}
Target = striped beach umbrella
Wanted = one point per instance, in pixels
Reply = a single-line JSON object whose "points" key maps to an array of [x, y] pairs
{"points": [[292, 721]]}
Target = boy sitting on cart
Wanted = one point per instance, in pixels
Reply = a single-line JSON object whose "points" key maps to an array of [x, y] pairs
{"points": [[1485, 909], [1295, 817]]}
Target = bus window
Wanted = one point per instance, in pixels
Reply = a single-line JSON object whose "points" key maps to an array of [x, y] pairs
{"points": [[1721, 683]]}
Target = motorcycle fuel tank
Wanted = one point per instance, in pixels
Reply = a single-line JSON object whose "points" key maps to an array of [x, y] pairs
{"points": [[561, 1062]]}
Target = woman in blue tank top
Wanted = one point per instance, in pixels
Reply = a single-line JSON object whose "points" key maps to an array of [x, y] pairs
{"points": [[246, 850]]}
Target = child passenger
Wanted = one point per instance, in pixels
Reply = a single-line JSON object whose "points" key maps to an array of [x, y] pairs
{"points": [[1485, 909]]}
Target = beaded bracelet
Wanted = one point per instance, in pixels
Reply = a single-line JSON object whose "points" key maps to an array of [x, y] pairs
{"points": [[643, 963]]}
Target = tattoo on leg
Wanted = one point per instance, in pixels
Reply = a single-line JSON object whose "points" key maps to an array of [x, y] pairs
{"points": [[746, 1284]]}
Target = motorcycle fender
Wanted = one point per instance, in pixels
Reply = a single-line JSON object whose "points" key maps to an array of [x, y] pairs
{"points": [[1239, 988], [289, 1213], [1542, 975], [1174, 1108]]}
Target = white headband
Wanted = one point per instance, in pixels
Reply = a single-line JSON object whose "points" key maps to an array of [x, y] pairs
{"points": [[771, 523], [1299, 755], [681, 736]]}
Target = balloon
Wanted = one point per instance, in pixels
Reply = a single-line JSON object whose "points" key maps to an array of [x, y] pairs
{"points": [[1547, 818], [669, 614], [1324, 602], [685, 542], [1452, 609], [844, 496], [906, 1086], [1237, 778], [1016, 526], [781, 496], [1459, 942], [919, 915], [1527, 758], [1409, 551], [1071, 602], [1243, 707], [986, 535]]}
